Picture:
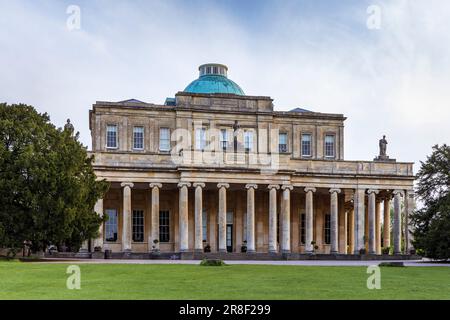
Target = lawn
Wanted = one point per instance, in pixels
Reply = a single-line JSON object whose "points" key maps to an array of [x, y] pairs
{"points": [[25, 280]]}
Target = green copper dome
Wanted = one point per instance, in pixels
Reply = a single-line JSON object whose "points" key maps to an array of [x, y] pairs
{"points": [[213, 79]]}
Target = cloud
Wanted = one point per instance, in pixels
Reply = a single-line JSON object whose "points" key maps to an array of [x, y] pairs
{"points": [[391, 81]]}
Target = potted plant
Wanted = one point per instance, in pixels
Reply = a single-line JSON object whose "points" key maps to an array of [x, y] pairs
{"points": [[412, 251], [97, 254], [155, 248], [314, 247], [207, 248], [244, 246], [385, 250], [362, 251]]}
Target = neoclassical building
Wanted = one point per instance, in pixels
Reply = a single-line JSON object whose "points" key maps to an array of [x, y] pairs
{"points": [[215, 169]]}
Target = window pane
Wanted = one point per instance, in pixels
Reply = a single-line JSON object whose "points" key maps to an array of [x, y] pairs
{"points": [[200, 138], [248, 140], [164, 139], [306, 145], [329, 146], [204, 225], [138, 225], [138, 137], [111, 225], [164, 226], [111, 136], [223, 138], [282, 142]]}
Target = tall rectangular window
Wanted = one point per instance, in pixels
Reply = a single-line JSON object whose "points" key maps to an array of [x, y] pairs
{"points": [[306, 145], [302, 228], [111, 225], [200, 138], [138, 138], [282, 142], [204, 225], [327, 228], [138, 225], [164, 226], [223, 139], [248, 141], [164, 139], [111, 136], [329, 146]]}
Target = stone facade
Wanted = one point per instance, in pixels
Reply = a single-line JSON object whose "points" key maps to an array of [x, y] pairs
{"points": [[262, 193]]}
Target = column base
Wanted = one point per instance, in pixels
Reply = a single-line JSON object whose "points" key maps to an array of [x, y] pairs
{"points": [[274, 251], [251, 251], [223, 251], [334, 252], [198, 250], [285, 251]]}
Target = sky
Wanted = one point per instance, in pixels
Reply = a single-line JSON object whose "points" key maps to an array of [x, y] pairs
{"points": [[385, 65]]}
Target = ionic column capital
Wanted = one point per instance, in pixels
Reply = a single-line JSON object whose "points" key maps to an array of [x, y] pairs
{"points": [[308, 189], [155, 185], [398, 192], [198, 184], [373, 191], [251, 185], [183, 184], [287, 187], [127, 184], [273, 186], [333, 190], [223, 185]]}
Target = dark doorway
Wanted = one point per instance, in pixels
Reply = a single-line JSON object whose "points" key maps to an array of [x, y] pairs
{"points": [[229, 238]]}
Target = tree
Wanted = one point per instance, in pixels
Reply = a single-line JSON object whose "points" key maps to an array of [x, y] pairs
{"points": [[432, 222], [48, 187]]}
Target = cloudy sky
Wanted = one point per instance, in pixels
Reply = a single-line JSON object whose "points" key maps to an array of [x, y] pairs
{"points": [[392, 80]]}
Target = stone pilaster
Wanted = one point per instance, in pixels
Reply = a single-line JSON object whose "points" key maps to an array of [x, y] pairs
{"points": [[334, 220], [251, 217], [309, 215], [98, 208], [198, 237], [387, 222], [358, 215], [154, 234], [183, 216], [273, 247], [371, 216], [223, 216], [286, 218], [397, 228], [351, 231], [126, 221]]}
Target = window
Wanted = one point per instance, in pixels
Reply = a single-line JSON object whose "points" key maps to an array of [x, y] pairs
{"points": [[164, 226], [327, 229], [200, 139], [204, 225], [111, 136], [282, 142], [138, 138], [223, 139], [329, 146], [302, 228], [138, 225], [111, 225], [306, 145], [164, 139], [248, 141]]}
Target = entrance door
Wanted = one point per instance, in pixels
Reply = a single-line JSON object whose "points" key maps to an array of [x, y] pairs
{"points": [[229, 237]]}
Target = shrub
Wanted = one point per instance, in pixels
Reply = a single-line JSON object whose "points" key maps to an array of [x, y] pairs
{"points": [[391, 264], [212, 263]]}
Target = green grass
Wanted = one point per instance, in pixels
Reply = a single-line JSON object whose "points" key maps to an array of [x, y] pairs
{"points": [[20, 280]]}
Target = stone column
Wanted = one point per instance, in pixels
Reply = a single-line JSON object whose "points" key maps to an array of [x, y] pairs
{"points": [[183, 216], [387, 222], [334, 219], [98, 208], [351, 231], [223, 216], [371, 216], [409, 208], [358, 215], [397, 232], [309, 216], [273, 247], [286, 219], [251, 217], [126, 221], [154, 234], [378, 226], [198, 240]]}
